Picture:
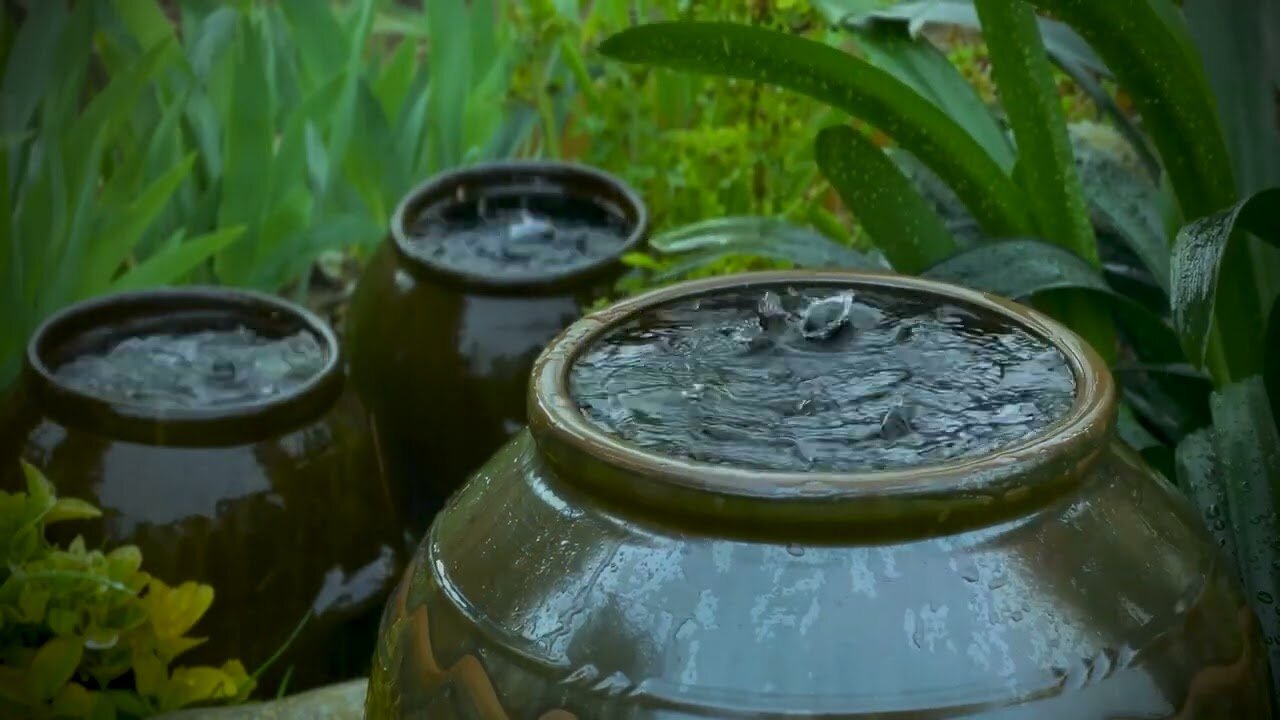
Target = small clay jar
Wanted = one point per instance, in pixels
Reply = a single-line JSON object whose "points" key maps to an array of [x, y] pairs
{"points": [[441, 354], [1052, 578], [279, 503]]}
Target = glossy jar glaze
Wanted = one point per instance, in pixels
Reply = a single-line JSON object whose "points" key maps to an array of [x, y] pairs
{"points": [[442, 356], [280, 504], [578, 577]]}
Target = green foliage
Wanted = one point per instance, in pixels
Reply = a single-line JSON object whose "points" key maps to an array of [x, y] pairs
{"points": [[88, 634]]}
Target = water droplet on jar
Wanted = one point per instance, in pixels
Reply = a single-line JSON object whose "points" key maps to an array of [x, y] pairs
{"points": [[1265, 598], [795, 550]]}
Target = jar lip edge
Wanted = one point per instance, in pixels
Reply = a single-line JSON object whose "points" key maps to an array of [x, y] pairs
{"points": [[563, 432], [70, 405], [399, 237]]}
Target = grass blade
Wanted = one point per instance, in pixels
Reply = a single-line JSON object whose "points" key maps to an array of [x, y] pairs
{"points": [[393, 83], [901, 223], [27, 68], [450, 80], [1199, 262], [171, 263], [321, 43], [248, 140], [853, 85]]}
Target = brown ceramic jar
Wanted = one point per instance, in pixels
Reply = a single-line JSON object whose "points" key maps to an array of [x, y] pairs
{"points": [[280, 504], [441, 355], [1054, 578]]}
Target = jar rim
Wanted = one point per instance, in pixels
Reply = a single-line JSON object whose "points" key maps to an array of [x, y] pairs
{"points": [[552, 176], [959, 492], [103, 320]]}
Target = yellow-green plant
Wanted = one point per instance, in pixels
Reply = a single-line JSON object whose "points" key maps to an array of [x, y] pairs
{"points": [[88, 634]]}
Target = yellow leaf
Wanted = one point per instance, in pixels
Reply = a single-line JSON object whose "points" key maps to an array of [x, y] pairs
{"points": [[197, 684], [71, 509], [124, 561], [73, 700], [174, 611], [172, 647], [39, 489], [149, 674], [54, 664]]}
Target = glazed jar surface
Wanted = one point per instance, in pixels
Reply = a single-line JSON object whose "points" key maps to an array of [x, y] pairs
{"points": [[441, 356], [576, 576], [281, 505]]}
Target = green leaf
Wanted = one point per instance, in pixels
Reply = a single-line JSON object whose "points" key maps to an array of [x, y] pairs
{"points": [[1248, 448], [1046, 169], [172, 263], [321, 42], [54, 664], [1126, 204], [71, 509], [1172, 398], [1201, 481], [1198, 257], [27, 68], [917, 15], [898, 219], [396, 78], [122, 232], [1085, 80], [702, 243], [248, 152], [146, 21], [344, 114], [846, 82], [1271, 350], [919, 64], [450, 72]]}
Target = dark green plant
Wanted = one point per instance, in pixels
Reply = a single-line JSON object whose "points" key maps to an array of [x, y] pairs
{"points": [[87, 634], [1094, 254]]}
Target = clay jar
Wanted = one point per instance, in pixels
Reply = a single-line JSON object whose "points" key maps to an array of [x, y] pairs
{"points": [[1055, 577], [279, 503], [441, 354]]}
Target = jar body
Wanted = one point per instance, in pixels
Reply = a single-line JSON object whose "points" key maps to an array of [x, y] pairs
{"points": [[444, 371], [284, 526], [531, 598]]}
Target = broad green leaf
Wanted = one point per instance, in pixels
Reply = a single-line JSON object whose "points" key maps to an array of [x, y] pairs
{"points": [[1248, 448], [396, 78], [1153, 60], [27, 68], [71, 509], [846, 82], [773, 238], [449, 66], [900, 222], [170, 264], [1197, 267], [1200, 479], [1127, 204], [1174, 399], [919, 64], [54, 664], [121, 233], [1046, 169], [39, 489], [248, 143], [321, 42], [146, 21]]}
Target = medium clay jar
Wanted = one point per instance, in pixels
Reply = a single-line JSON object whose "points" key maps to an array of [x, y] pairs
{"points": [[823, 495], [483, 267], [254, 473]]}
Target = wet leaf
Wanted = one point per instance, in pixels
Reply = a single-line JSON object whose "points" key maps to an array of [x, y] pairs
{"points": [[900, 222], [1248, 446], [1206, 487], [922, 66], [1126, 204], [1198, 257], [1271, 350], [773, 238], [846, 82]]}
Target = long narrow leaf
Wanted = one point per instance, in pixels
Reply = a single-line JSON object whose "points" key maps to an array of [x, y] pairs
{"points": [[173, 262], [1200, 479], [28, 70], [919, 64], [1125, 203], [451, 73], [900, 222], [1198, 257], [1248, 448], [774, 238], [846, 82]]}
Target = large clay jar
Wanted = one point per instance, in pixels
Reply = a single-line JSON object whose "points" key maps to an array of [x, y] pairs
{"points": [[441, 355], [279, 504], [1055, 578]]}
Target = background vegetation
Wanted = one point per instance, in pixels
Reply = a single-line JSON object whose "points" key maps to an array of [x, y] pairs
{"points": [[1106, 160]]}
